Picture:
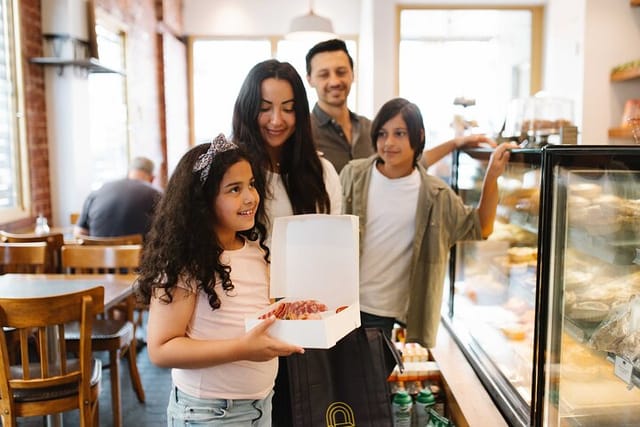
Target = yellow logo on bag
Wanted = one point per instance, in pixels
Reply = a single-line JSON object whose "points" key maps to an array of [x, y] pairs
{"points": [[339, 414]]}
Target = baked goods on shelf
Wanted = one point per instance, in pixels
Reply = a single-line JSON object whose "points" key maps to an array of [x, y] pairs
{"points": [[512, 233], [577, 279], [522, 254], [620, 332], [514, 332], [482, 289], [580, 363], [587, 190], [589, 311]]}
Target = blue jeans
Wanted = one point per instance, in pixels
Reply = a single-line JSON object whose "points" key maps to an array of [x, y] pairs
{"points": [[185, 410]]}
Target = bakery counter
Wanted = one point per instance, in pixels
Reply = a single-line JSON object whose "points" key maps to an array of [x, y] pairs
{"points": [[468, 402]]}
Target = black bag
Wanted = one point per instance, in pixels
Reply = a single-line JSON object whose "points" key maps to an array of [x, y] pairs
{"points": [[345, 385]]}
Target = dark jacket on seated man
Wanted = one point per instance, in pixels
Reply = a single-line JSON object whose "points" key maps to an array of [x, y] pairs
{"points": [[121, 207]]}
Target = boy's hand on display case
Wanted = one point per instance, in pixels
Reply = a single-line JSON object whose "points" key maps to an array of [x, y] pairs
{"points": [[499, 159]]}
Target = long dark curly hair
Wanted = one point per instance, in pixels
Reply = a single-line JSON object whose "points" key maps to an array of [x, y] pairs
{"points": [[182, 244], [300, 166]]}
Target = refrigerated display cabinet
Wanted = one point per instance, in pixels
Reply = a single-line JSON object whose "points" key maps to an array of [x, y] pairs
{"points": [[547, 309]]}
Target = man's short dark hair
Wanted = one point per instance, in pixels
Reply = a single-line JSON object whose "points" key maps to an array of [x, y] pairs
{"points": [[327, 46]]}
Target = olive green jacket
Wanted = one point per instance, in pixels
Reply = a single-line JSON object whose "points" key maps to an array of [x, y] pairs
{"points": [[442, 219]]}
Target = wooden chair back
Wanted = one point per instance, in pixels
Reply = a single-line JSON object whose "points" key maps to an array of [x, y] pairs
{"points": [[23, 257], [129, 239], [46, 380], [54, 242], [100, 259]]}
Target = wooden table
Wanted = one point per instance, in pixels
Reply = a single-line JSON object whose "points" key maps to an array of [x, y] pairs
{"points": [[117, 288]]}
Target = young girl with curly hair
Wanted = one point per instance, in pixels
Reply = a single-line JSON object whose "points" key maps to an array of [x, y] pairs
{"points": [[203, 269]]}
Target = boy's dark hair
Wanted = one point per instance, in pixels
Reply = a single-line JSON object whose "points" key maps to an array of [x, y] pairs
{"points": [[327, 46], [300, 166], [182, 245], [411, 116]]}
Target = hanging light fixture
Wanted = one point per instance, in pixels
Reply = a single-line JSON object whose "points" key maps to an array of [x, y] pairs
{"points": [[310, 27]]}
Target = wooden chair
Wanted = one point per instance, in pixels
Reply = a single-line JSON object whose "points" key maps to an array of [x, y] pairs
{"points": [[54, 242], [115, 335], [46, 381], [23, 257], [20, 258], [129, 239]]}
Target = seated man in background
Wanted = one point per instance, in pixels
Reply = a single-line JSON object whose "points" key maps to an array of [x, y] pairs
{"points": [[121, 207]]}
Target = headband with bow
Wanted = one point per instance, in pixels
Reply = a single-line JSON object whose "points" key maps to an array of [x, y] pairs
{"points": [[220, 144]]}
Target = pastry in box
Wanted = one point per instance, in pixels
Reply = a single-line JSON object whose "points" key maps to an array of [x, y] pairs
{"points": [[315, 270]]}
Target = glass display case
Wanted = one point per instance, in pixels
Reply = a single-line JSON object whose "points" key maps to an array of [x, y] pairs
{"points": [[547, 310]]}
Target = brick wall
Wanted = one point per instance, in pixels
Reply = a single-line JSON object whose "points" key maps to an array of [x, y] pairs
{"points": [[145, 87]]}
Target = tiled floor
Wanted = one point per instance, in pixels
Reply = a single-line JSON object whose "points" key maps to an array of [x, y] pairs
{"points": [[156, 382]]}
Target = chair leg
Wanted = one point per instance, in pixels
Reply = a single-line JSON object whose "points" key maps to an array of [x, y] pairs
{"points": [[8, 420], [114, 370], [96, 413], [87, 415], [133, 371]]}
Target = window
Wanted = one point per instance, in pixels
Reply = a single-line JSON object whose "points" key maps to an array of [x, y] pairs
{"points": [[109, 123], [219, 68], [14, 196], [445, 54], [217, 81]]}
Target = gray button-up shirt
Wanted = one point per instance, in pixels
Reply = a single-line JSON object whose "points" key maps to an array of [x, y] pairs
{"points": [[330, 139]]}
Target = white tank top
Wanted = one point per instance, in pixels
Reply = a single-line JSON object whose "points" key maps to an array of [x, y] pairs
{"points": [[242, 379]]}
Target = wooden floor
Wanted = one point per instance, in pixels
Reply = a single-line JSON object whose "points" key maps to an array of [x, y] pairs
{"points": [[156, 382]]}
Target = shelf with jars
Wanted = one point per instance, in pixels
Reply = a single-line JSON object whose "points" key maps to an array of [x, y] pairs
{"points": [[623, 73]]}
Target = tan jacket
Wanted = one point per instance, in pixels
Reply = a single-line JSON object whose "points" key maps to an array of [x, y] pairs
{"points": [[442, 219]]}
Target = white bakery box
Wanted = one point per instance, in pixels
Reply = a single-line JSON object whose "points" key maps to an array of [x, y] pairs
{"points": [[315, 257]]}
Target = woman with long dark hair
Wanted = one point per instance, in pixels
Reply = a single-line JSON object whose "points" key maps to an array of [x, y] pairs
{"points": [[271, 121]]}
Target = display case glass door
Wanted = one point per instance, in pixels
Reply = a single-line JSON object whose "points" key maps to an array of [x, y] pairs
{"points": [[492, 292], [587, 348]]}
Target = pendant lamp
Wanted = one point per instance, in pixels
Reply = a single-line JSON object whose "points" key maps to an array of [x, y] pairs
{"points": [[310, 27]]}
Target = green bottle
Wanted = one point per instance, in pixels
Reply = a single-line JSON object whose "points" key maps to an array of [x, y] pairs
{"points": [[424, 401], [401, 405]]}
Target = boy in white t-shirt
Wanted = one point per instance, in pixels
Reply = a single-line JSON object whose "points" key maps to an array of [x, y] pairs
{"points": [[408, 222]]}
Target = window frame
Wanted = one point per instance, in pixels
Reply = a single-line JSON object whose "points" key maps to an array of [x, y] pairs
{"points": [[120, 30], [273, 40], [537, 18], [22, 207]]}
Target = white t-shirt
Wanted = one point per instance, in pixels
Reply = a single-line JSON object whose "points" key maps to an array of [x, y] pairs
{"points": [[279, 205], [242, 379], [386, 252]]}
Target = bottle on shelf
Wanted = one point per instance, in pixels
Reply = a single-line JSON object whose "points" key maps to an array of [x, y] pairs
{"points": [[424, 400], [402, 405], [42, 226]]}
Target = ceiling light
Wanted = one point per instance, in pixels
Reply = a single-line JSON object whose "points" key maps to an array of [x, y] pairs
{"points": [[311, 27]]}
